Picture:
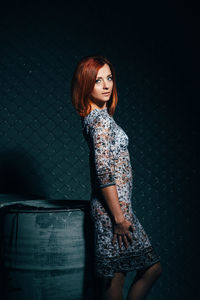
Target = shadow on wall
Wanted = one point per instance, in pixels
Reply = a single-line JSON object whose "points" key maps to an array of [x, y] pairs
{"points": [[18, 175]]}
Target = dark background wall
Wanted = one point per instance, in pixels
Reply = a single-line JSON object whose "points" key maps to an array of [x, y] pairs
{"points": [[154, 49]]}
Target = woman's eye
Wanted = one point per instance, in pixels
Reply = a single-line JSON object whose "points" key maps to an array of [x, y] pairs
{"points": [[99, 80]]}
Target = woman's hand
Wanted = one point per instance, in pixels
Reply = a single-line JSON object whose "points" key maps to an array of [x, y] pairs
{"points": [[122, 232]]}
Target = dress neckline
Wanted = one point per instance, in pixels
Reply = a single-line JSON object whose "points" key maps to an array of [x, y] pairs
{"points": [[97, 109]]}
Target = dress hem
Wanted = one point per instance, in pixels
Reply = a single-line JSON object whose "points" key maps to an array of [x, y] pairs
{"points": [[131, 262], [127, 270]]}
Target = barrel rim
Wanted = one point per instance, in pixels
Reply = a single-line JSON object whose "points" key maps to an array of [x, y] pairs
{"points": [[45, 205]]}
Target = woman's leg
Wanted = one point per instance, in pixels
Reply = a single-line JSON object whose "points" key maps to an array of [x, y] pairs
{"points": [[113, 288], [143, 282]]}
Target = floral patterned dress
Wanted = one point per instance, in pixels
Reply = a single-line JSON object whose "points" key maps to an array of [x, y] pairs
{"points": [[110, 164]]}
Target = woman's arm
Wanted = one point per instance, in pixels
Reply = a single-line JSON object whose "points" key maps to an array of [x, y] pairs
{"points": [[121, 225], [105, 170], [111, 197]]}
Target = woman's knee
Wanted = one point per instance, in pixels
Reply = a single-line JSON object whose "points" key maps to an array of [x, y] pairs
{"points": [[157, 269], [119, 279], [116, 281], [154, 270]]}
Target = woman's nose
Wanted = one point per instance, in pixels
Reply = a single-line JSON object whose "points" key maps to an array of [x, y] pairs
{"points": [[105, 85]]}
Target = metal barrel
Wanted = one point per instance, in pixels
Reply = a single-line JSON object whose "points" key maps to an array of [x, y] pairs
{"points": [[46, 250]]}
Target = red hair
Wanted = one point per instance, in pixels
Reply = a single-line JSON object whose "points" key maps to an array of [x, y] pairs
{"points": [[83, 82]]}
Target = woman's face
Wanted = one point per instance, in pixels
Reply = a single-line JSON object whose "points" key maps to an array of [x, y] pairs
{"points": [[103, 86]]}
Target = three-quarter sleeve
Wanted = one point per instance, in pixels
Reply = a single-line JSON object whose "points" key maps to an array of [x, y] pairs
{"points": [[103, 156]]}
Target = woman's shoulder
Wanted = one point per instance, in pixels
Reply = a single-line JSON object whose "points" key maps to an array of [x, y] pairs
{"points": [[97, 116]]}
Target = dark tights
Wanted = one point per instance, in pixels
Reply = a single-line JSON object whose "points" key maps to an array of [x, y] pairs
{"points": [[112, 289]]}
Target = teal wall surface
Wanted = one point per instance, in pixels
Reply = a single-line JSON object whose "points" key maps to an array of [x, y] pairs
{"points": [[42, 150]]}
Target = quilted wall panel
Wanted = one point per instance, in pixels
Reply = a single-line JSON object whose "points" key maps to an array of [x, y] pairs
{"points": [[43, 152]]}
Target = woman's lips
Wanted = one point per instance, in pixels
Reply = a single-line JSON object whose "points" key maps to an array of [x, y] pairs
{"points": [[106, 93]]}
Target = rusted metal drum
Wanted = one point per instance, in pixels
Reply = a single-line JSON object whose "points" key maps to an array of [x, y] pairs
{"points": [[45, 250]]}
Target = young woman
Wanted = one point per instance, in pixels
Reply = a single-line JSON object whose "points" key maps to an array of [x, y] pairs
{"points": [[121, 244]]}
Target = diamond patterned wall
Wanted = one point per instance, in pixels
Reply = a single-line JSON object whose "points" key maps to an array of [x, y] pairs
{"points": [[43, 152]]}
